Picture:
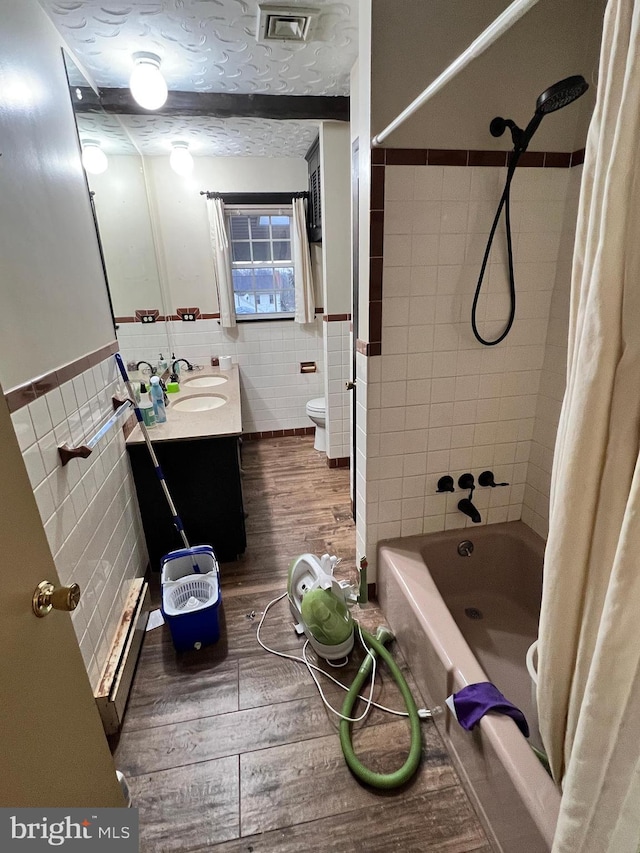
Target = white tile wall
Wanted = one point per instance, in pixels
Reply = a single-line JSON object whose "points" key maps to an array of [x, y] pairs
{"points": [[437, 401], [88, 507], [338, 360], [535, 510], [274, 392]]}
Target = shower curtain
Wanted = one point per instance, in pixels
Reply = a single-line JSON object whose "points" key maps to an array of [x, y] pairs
{"points": [[221, 262], [589, 649]]}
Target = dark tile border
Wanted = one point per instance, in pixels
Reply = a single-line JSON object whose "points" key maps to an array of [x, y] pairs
{"points": [[468, 157], [24, 394], [277, 433], [336, 318], [340, 462]]}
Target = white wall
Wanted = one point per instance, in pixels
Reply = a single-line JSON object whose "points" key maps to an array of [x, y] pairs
{"points": [[54, 310], [127, 239], [413, 41], [54, 301]]}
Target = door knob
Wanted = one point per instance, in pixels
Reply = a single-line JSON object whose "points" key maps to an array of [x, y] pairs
{"points": [[349, 386], [47, 597]]}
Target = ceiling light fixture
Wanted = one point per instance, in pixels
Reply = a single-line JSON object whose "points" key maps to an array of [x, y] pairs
{"points": [[148, 86], [181, 160], [94, 159]]}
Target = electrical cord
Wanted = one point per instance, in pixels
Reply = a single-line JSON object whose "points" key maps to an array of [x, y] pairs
{"points": [[424, 713]]}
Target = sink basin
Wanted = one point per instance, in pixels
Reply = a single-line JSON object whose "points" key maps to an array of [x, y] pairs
{"points": [[205, 381], [199, 403]]}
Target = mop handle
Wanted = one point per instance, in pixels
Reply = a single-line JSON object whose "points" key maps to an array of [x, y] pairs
{"points": [[177, 521]]}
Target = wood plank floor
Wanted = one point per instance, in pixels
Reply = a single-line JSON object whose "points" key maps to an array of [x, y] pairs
{"points": [[230, 749]]}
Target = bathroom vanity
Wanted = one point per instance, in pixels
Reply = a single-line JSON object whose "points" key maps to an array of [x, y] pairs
{"points": [[198, 449]]}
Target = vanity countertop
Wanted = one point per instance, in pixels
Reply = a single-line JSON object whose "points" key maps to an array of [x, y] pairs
{"points": [[225, 420]]}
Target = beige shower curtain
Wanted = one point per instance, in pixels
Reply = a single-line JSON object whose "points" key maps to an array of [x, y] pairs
{"points": [[222, 275], [589, 650]]}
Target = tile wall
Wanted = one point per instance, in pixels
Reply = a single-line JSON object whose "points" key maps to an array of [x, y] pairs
{"points": [[337, 357], [437, 402], [88, 507], [535, 509], [274, 392]]}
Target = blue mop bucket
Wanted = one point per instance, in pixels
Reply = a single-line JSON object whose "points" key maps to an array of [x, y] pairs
{"points": [[191, 600]]}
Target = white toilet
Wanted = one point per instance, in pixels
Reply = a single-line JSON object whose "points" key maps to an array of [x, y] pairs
{"points": [[317, 411]]}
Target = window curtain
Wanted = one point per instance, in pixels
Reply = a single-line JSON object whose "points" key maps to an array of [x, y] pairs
{"points": [[305, 311], [221, 262], [589, 646]]}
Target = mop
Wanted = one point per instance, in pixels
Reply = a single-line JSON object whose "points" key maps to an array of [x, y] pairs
{"points": [[177, 521]]}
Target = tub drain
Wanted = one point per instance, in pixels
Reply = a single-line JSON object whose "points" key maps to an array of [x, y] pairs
{"points": [[473, 613]]}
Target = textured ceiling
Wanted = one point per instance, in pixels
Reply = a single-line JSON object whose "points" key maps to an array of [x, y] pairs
{"points": [[209, 45], [207, 136]]}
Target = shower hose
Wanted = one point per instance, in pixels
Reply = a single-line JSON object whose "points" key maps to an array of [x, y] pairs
{"points": [[385, 781], [505, 202]]}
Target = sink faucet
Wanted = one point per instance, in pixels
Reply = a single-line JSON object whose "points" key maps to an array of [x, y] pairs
{"points": [[152, 369], [469, 509], [177, 361]]}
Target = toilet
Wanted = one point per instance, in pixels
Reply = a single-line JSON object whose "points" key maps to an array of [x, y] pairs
{"points": [[316, 410]]}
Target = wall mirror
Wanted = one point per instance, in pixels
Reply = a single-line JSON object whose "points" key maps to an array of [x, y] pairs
{"points": [[115, 174]]}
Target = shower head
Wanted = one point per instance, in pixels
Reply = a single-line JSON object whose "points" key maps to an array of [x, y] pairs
{"points": [[561, 94], [554, 98]]}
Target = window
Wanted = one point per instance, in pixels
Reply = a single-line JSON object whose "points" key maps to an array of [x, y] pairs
{"points": [[262, 262]]}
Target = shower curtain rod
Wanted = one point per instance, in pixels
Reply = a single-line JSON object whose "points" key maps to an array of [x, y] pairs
{"points": [[486, 38]]}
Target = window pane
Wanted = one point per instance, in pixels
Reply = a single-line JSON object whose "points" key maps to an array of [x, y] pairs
{"points": [[261, 251], [241, 251], [283, 278], [239, 227], [282, 250], [264, 279], [245, 303], [243, 279], [259, 231], [281, 232], [266, 303]]}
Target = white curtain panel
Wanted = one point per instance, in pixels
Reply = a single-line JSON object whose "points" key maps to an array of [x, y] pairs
{"points": [[221, 262], [305, 297], [589, 649]]}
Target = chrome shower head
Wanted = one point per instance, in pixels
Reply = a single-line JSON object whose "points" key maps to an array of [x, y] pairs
{"points": [[561, 94]]}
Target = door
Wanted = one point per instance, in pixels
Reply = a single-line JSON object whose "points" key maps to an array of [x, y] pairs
{"points": [[54, 750]]}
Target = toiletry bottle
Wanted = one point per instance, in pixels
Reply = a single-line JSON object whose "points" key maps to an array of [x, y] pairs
{"points": [[146, 407], [162, 365], [157, 398]]}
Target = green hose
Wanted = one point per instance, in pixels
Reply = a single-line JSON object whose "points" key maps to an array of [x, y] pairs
{"points": [[399, 777]]}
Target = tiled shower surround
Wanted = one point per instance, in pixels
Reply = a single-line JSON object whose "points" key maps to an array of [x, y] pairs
{"points": [[88, 507], [437, 402]]}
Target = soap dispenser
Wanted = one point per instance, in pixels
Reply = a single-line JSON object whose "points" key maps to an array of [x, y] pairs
{"points": [[162, 365]]}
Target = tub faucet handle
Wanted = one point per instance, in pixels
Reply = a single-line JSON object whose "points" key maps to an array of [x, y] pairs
{"points": [[445, 484], [487, 479], [466, 481]]}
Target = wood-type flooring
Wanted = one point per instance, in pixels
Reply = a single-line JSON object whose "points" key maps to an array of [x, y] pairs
{"points": [[230, 749]]}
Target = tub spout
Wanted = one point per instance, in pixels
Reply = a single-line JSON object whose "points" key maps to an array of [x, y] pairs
{"points": [[469, 509]]}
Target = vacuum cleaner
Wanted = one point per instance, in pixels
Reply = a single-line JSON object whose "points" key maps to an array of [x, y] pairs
{"points": [[320, 605]]}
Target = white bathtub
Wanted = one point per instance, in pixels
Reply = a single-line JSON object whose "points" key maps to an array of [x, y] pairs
{"points": [[461, 620]]}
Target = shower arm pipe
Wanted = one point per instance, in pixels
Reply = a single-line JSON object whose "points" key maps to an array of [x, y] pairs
{"points": [[487, 37]]}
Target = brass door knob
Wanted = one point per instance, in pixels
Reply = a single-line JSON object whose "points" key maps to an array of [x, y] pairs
{"points": [[47, 597]]}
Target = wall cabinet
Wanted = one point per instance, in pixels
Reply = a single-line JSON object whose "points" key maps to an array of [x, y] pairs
{"points": [[203, 476]]}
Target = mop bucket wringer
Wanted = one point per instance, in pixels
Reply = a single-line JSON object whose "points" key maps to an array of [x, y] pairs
{"points": [[191, 600]]}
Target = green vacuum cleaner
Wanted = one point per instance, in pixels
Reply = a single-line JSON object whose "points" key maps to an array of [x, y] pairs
{"points": [[320, 606]]}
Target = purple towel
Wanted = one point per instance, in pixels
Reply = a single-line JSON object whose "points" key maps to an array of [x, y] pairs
{"points": [[473, 701]]}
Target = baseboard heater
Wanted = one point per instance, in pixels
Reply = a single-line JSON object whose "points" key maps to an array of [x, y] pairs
{"points": [[117, 675]]}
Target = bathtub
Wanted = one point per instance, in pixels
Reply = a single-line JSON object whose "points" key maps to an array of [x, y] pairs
{"points": [[459, 620]]}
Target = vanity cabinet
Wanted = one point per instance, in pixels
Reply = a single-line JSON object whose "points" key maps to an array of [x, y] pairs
{"points": [[203, 476]]}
